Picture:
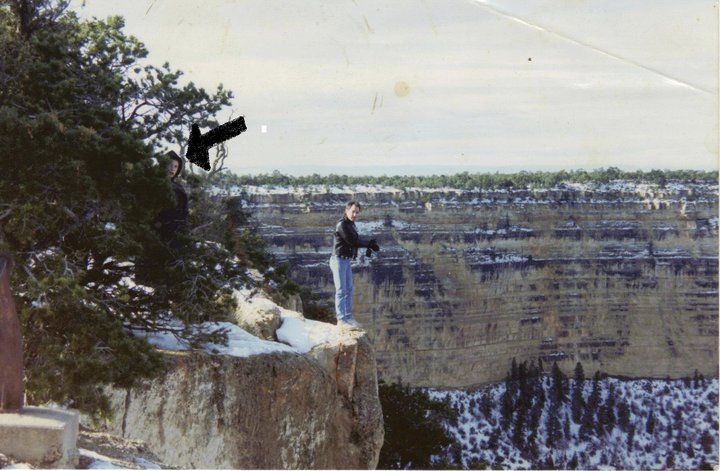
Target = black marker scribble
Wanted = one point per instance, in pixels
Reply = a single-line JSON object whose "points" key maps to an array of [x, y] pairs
{"points": [[199, 144]]}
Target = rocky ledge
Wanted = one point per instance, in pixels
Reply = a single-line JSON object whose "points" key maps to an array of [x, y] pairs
{"points": [[308, 398]]}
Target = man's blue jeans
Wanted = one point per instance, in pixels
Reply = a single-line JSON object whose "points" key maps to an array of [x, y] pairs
{"points": [[342, 277]]}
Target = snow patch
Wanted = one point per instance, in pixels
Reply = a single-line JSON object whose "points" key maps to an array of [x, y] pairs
{"points": [[240, 342], [305, 334], [99, 461]]}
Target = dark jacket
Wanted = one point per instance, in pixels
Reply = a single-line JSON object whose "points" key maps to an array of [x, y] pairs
{"points": [[346, 239], [174, 220]]}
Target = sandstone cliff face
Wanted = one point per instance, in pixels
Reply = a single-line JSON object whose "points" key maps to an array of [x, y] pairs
{"points": [[278, 410], [622, 277]]}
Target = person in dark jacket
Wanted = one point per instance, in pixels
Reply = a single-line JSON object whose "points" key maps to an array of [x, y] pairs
{"points": [[172, 221], [346, 242]]}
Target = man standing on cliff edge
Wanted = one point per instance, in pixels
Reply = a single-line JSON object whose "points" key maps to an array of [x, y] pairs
{"points": [[346, 241]]}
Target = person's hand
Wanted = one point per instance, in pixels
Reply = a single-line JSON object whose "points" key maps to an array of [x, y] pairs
{"points": [[374, 245]]}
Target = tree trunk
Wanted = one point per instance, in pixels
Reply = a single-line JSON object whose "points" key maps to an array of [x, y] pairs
{"points": [[11, 349]]}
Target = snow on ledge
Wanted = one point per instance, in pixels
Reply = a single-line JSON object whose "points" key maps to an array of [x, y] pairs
{"points": [[305, 334], [240, 342], [243, 344], [295, 334], [99, 461], [300, 334]]}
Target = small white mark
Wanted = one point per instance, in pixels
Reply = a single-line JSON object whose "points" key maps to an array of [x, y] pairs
{"points": [[263, 128]]}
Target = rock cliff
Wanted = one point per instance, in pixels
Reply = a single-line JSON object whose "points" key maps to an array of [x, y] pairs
{"points": [[313, 404], [621, 276]]}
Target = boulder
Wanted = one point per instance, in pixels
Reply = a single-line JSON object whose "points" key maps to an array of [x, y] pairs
{"points": [[257, 315]]}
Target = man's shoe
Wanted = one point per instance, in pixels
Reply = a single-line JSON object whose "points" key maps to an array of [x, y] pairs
{"points": [[349, 324]]}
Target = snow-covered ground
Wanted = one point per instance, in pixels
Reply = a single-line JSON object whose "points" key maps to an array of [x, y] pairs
{"points": [[685, 430]]}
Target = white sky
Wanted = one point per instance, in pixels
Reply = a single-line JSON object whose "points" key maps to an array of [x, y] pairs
{"points": [[423, 86]]}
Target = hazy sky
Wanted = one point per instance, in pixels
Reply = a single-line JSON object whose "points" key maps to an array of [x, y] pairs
{"points": [[422, 86]]}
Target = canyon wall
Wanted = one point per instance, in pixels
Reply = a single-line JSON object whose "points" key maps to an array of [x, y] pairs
{"points": [[622, 276]]}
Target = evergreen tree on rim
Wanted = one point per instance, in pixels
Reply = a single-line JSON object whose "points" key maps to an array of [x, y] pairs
{"points": [[578, 402], [81, 122]]}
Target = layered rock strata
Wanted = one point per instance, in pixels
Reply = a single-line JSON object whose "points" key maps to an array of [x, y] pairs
{"points": [[623, 276]]}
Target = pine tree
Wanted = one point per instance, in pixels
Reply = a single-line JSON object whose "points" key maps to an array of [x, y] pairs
{"points": [[535, 416], [414, 427], [587, 426], [507, 406], [486, 405], [552, 425], [457, 456], [518, 436], [494, 439], [594, 399], [623, 416], [577, 401], [708, 442], [677, 445], [607, 412], [522, 372], [600, 423], [533, 371], [524, 401], [530, 446], [630, 437], [567, 429], [650, 424], [80, 193], [525, 388], [579, 374], [678, 419], [559, 386]]}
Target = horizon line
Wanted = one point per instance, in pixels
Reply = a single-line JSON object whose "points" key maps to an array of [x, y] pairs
{"points": [[306, 171]]}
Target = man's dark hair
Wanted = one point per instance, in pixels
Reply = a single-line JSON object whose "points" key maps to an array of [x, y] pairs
{"points": [[350, 204]]}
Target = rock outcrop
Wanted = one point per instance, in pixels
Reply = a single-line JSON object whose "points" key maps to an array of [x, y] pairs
{"points": [[259, 316], [311, 405], [621, 276]]}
